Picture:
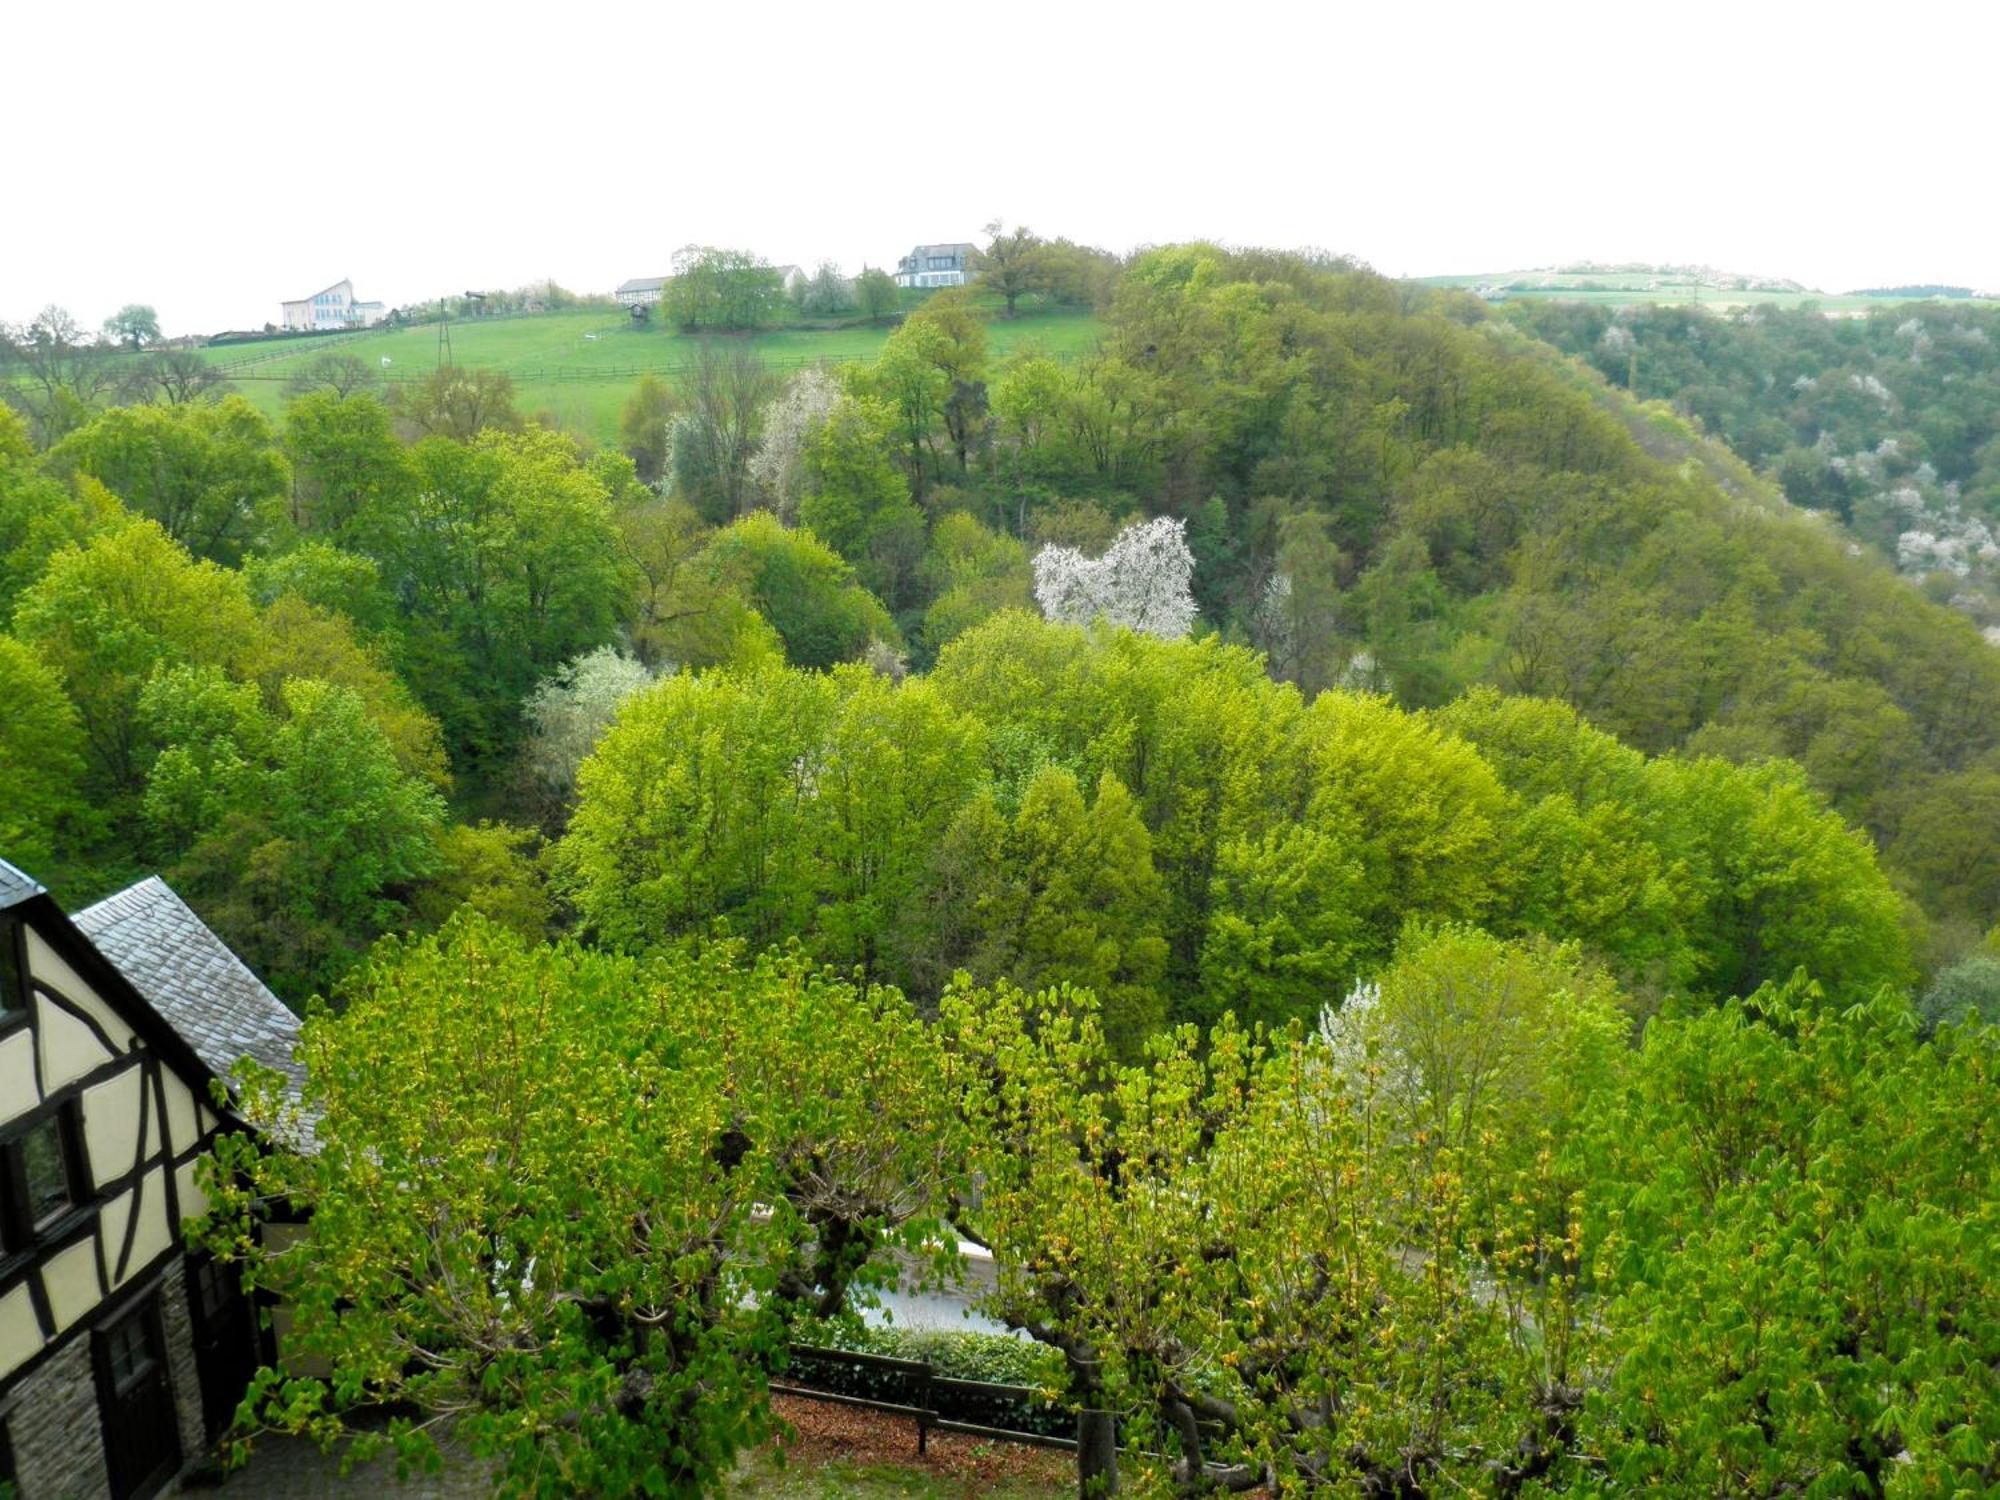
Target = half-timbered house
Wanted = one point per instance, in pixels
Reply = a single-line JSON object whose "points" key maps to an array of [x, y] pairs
{"points": [[122, 1354]]}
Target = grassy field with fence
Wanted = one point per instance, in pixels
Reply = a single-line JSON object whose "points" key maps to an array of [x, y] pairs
{"points": [[580, 367]]}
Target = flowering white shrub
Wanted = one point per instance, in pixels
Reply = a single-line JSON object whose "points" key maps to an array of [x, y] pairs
{"points": [[1271, 626], [570, 709], [1144, 581], [789, 423]]}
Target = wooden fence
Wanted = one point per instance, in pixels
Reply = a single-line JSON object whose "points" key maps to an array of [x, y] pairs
{"points": [[935, 1403]]}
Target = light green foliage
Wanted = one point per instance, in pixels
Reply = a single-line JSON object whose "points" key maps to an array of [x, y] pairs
{"points": [[357, 822], [972, 573], [320, 574], [642, 427], [686, 611], [209, 473], [1235, 1250], [492, 869], [875, 293], [1777, 881], [785, 803], [803, 588], [212, 738], [38, 515], [297, 639], [856, 500], [1030, 402], [511, 559], [351, 478], [1287, 932], [931, 374], [41, 760], [1485, 1049], [15, 444], [458, 403], [955, 1353], [107, 612], [292, 823], [578, 1202], [730, 290], [1688, 874], [1427, 812], [1064, 892], [1794, 1213]]}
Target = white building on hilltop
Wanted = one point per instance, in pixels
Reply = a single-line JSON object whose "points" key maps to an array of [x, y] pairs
{"points": [[640, 291], [936, 265], [333, 308]]}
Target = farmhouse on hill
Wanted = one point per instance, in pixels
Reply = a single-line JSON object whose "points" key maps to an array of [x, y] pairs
{"points": [[330, 309], [641, 291], [936, 265], [646, 291], [122, 1353]]}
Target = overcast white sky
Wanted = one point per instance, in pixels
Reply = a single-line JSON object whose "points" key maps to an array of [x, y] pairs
{"points": [[212, 159]]}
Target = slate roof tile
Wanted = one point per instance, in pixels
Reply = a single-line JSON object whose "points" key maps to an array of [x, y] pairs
{"points": [[187, 974]]}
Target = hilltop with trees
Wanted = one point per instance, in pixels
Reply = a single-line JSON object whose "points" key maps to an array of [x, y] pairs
{"points": [[1440, 932]]}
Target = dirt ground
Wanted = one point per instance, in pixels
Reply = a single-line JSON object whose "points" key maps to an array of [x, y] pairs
{"points": [[844, 1450]]}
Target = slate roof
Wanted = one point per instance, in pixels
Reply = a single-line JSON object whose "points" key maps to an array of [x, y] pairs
{"points": [[14, 886], [188, 975], [642, 284]]}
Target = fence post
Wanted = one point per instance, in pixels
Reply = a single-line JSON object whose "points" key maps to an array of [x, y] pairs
{"points": [[927, 1407]]}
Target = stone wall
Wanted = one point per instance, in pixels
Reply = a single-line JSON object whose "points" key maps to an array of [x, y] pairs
{"points": [[177, 1326], [53, 1420], [57, 1434]]}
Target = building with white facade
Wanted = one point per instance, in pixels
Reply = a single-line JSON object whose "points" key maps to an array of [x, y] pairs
{"points": [[333, 308], [123, 1353], [936, 265], [640, 291]]}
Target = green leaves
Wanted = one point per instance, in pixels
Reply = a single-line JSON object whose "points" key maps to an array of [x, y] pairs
{"points": [[578, 1200], [1798, 1204]]}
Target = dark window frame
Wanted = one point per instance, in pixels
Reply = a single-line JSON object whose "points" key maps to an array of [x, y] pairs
{"points": [[20, 1233], [16, 989]]}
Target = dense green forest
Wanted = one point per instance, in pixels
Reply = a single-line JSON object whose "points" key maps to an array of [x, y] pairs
{"points": [[1383, 491], [1440, 935], [1889, 421]]}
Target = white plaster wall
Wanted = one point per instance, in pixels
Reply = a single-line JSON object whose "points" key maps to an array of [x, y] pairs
{"points": [[111, 1123], [18, 1094], [70, 1279], [20, 1334]]}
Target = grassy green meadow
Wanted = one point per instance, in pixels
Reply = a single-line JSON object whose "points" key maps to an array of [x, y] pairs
{"points": [[580, 367]]}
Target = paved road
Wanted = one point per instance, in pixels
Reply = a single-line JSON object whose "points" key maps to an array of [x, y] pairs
{"points": [[288, 1468]]}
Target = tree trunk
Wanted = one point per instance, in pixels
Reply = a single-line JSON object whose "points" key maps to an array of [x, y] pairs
{"points": [[1096, 1454]]}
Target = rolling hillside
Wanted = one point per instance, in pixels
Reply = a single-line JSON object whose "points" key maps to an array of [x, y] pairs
{"points": [[1620, 286], [581, 366]]}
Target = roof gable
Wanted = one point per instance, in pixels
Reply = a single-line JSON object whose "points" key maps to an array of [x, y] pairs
{"points": [[189, 978], [15, 887]]}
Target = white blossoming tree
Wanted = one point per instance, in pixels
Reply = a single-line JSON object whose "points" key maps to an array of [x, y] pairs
{"points": [[789, 422], [570, 709], [1144, 581]]}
